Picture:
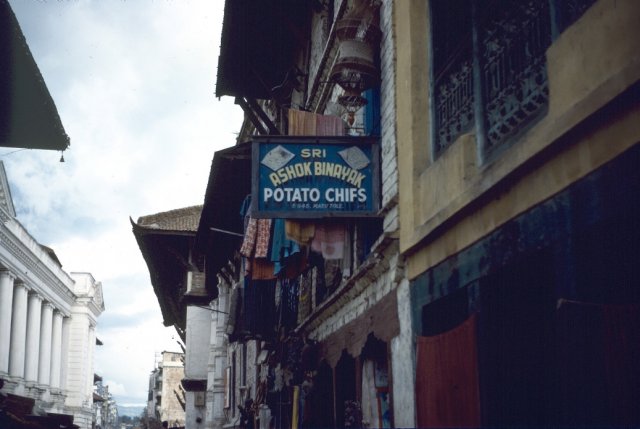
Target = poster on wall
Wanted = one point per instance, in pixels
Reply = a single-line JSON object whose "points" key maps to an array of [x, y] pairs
{"points": [[314, 177]]}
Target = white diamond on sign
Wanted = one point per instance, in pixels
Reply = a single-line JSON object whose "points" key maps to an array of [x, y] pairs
{"points": [[277, 158], [354, 157]]}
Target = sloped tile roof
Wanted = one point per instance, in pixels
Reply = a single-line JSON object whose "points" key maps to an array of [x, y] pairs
{"points": [[184, 219]]}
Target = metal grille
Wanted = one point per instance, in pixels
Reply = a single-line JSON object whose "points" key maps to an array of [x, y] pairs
{"points": [[454, 101], [514, 40], [453, 96]]}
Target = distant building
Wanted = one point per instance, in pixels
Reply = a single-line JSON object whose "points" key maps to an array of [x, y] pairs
{"points": [[48, 317], [48, 324], [104, 407], [166, 397], [166, 241]]}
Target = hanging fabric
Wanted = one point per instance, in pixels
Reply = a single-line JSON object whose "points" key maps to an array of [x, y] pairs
{"points": [[300, 231], [599, 351], [622, 358], [303, 123], [285, 254], [304, 297], [327, 125], [249, 241], [295, 405], [260, 269], [329, 239], [289, 303], [263, 234], [447, 393], [256, 238]]}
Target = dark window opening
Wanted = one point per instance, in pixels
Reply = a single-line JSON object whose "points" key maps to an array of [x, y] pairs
{"points": [[517, 354], [369, 231], [569, 11], [445, 313], [488, 66], [321, 399], [345, 389], [452, 92]]}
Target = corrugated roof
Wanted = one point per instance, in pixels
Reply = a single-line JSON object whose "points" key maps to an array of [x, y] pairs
{"points": [[184, 219]]}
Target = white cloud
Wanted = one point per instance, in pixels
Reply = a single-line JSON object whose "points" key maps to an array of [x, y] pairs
{"points": [[134, 86]]}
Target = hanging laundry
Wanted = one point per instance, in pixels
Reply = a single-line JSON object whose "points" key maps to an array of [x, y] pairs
{"points": [[245, 210], [289, 303], [263, 235], [304, 297], [327, 125], [300, 231], [303, 123], [283, 250], [329, 239], [256, 238], [260, 269], [249, 241]]}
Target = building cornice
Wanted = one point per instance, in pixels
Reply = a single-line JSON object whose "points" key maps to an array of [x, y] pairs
{"points": [[31, 270]]}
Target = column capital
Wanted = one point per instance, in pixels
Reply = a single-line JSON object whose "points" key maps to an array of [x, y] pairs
{"points": [[35, 295], [6, 273], [48, 304], [20, 283]]}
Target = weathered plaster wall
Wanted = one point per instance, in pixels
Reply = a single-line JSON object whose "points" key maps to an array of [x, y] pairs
{"points": [[403, 363], [372, 288], [197, 342], [172, 375], [388, 153], [194, 416], [588, 66]]}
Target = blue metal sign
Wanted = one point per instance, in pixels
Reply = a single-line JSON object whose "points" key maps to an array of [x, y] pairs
{"points": [[312, 177]]}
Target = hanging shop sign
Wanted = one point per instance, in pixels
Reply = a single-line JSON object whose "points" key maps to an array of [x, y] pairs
{"points": [[311, 177]]}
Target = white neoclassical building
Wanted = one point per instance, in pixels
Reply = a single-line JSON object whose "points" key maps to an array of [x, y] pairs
{"points": [[48, 323]]}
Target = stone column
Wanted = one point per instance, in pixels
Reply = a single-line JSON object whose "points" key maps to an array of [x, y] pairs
{"points": [[217, 387], [66, 322], [32, 350], [18, 330], [44, 362], [92, 347], [6, 306], [56, 350]]}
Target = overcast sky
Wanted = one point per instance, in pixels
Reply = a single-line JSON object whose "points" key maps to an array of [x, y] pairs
{"points": [[133, 81]]}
